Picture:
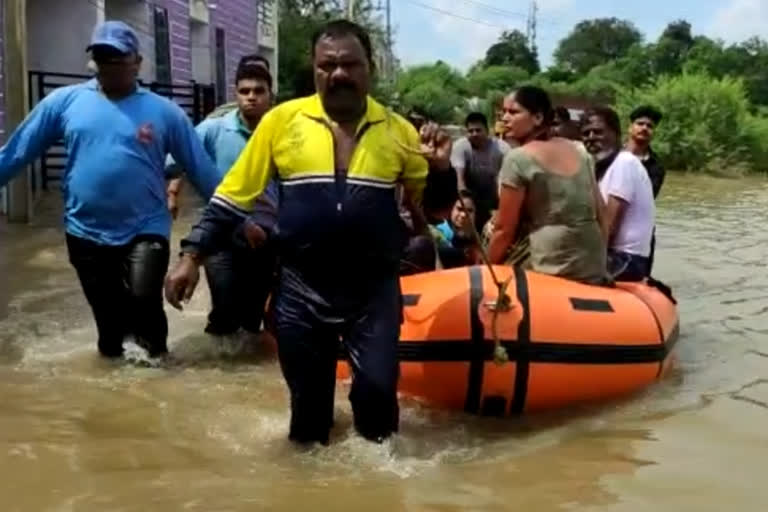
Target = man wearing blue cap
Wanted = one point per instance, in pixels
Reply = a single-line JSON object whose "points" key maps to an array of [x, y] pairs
{"points": [[117, 135]]}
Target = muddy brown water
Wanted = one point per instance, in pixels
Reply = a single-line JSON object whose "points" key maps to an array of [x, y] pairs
{"points": [[208, 434]]}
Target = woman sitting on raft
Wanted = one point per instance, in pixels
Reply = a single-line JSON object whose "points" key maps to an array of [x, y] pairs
{"points": [[549, 183]]}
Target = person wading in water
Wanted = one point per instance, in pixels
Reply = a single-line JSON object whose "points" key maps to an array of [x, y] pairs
{"points": [[117, 135], [338, 156]]}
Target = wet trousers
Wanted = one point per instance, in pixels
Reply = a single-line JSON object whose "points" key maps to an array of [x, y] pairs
{"points": [[309, 331], [624, 266], [418, 256], [240, 280], [124, 287]]}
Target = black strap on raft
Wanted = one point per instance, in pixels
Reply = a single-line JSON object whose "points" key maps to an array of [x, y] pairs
{"points": [[663, 288]]}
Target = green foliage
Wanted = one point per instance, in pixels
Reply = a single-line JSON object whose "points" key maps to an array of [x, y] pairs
{"points": [[670, 52], [595, 42], [437, 88], [714, 95], [512, 50], [440, 104], [495, 78], [298, 21], [707, 123], [756, 132], [748, 60], [439, 73]]}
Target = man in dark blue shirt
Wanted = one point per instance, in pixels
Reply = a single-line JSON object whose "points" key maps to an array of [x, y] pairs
{"points": [[117, 135]]}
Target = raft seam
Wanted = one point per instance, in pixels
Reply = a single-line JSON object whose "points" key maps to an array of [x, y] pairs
{"points": [[522, 369], [477, 333], [538, 352], [662, 340]]}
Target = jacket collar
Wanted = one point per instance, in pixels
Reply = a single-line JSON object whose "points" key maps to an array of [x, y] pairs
{"points": [[374, 111]]}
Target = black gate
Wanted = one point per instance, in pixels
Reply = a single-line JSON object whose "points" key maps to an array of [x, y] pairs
{"points": [[197, 100]]}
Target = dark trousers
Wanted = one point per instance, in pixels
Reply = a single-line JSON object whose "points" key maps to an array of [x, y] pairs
{"points": [[124, 287], [653, 251], [240, 280], [418, 256], [624, 266], [308, 333]]}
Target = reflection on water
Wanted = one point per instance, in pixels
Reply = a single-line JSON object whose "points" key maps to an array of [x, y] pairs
{"points": [[208, 431]]}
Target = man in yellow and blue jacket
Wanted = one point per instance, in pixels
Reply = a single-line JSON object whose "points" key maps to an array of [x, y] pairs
{"points": [[338, 156]]}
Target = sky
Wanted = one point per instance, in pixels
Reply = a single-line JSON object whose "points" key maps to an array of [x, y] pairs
{"points": [[459, 31]]}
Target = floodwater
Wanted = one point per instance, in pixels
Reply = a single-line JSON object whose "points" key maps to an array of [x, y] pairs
{"points": [[209, 433]]}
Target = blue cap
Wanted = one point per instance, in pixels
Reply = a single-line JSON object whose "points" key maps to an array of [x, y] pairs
{"points": [[116, 34]]}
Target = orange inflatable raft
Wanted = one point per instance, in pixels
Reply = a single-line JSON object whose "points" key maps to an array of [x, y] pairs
{"points": [[566, 342]]}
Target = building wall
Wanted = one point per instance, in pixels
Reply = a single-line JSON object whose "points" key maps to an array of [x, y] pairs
{"points": [[189, 51], [202, 58], [3, 192], [181, 55], [139, 16], [2, 71], [45, 19], [238, 19]]}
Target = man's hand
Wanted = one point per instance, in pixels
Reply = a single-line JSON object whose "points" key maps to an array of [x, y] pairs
{"points": [[180, 282], [254, 234], [436, 146]]}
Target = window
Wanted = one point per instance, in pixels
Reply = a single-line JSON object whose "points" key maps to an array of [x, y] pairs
{"points": [[162, 46], [221, 67]]}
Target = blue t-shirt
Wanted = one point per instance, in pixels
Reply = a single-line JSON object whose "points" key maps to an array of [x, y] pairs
{"points": [[446, 231], [224, 138], [114, 180]]}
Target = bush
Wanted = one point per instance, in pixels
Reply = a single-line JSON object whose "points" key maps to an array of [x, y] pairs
{"points": [[439, 104], [757, 141], [495, 78], [707, 123]]}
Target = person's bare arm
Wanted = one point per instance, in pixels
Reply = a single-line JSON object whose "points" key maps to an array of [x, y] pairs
{"points": [[458, 161], [172, 191], [614, 209], [460, 178], [600, 211], [507, 219]]}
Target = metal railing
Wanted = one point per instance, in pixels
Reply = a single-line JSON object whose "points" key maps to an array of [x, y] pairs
{"points": [[197, 100]]}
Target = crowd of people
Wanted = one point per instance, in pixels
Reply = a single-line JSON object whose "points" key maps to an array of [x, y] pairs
{"points": [[323, 202], [560, 196]]}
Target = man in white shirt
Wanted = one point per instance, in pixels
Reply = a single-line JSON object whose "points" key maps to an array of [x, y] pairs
{"points": [[630, 210]]}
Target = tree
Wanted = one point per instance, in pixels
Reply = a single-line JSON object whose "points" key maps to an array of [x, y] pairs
{"points": [[437, 88], [439, 73], [707, 125], [512, 50], [440, 104], [495, 78], [299, 19], [680, 32], [747, 60], [669, 53], [595, 42]]}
